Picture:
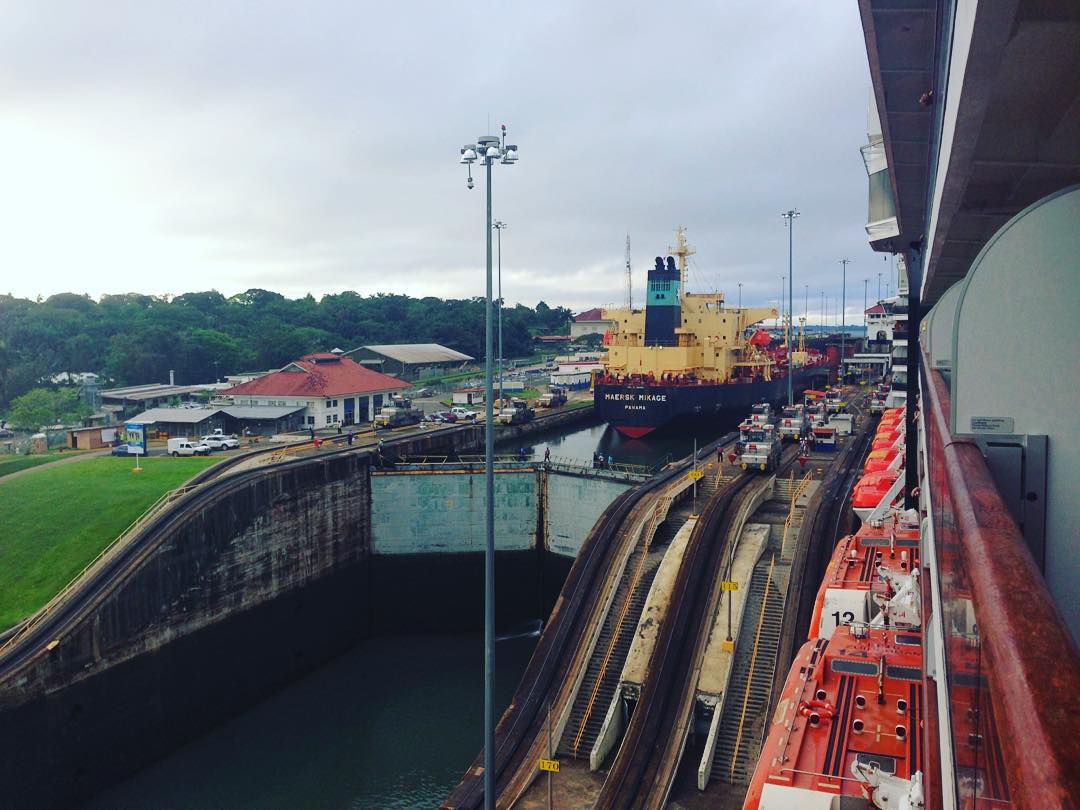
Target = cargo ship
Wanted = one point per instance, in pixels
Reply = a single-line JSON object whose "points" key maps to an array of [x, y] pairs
{"points": [[689, 356]]}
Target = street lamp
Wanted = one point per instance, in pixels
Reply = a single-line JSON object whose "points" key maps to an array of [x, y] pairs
{"points": [[866, 335], [843, 312], [499, 225], [488, 149], [790, 216], [740, 295]]}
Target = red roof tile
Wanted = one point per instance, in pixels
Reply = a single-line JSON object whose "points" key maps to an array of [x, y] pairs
{"points": [[595, 314], [876, 309], [322, 375]]}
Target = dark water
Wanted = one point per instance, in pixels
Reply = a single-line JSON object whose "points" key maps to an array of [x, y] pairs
{"points": [[391, 724], [584, 442]]}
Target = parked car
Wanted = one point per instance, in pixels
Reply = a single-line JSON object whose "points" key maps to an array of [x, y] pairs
{"points": [[441, 416], [121, 450], [185, 447], [6, 433], [219, 441], [422, 392]]}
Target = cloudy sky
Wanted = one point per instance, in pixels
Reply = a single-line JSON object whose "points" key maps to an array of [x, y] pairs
{"points": [[172, 147]]}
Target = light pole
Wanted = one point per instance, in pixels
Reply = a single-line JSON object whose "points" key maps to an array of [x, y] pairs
{"points": [[499, 225], [488, 149], [824, 326], [866, 335], [843, 312], [790, 216], [740, 295], [780, 301], [879, 286]]}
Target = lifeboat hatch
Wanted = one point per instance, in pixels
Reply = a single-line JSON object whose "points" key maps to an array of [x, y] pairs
{"points": [[884, 764]]}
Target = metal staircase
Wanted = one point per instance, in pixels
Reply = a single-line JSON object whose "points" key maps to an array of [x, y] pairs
{"points": [[602, 675], [613, 644], [746, 705]]}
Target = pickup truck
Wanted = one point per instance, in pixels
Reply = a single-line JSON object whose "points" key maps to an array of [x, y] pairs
{"points": [[555, 398], [218, 441], [463, 413], [185, 447]]}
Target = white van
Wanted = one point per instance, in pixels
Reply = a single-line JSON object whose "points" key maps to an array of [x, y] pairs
{"points": [[185, 447]]}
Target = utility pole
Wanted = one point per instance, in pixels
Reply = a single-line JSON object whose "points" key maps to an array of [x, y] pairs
{"points": [[823, 324], [629, 278], [879, 286], [843, 312], [790, 216]]}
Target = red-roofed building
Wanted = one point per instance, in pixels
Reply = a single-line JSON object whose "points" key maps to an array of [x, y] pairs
{"points": [[333, 390], [590, 322]]}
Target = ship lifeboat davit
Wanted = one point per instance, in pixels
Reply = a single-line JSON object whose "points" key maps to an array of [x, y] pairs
{"points": [[871, 490]]}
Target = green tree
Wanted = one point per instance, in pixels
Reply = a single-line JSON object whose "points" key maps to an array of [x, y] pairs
{"points": [[45, 406]]}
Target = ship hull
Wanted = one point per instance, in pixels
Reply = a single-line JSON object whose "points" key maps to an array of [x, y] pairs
{"points": [[637, 410]]}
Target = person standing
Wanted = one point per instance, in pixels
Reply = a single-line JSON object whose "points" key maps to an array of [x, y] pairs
{"points": [[349, 438]]}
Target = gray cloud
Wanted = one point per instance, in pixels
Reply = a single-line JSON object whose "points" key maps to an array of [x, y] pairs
{"points": [[314, 149]]}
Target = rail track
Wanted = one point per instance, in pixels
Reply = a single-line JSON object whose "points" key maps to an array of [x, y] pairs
{"points": [[521, 732]]}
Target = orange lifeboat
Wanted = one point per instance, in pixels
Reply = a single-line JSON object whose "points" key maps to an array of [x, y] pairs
{"points": [[883, 441], [846, 725], [871, 490], [855, 576], [880, 459]]}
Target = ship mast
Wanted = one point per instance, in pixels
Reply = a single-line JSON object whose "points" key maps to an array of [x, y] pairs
{"points": [[629, 278], [682, 250]]}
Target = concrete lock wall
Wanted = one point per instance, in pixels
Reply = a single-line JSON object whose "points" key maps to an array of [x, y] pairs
{"points": [[420, 512], [234, 597], [574, 504]]}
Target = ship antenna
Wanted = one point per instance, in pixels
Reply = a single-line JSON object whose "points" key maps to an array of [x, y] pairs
{"points": [[629, 278], [682, 250]]}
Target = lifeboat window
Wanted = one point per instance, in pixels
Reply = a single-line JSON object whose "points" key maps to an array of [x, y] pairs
{"points": [[885, 764], [905, 638], [850, 667], [901, 673]]}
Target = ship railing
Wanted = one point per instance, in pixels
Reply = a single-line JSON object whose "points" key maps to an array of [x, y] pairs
{"points": [[1013, 652]]}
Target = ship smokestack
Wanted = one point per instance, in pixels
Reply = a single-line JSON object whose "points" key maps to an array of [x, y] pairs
{"points": [[663, 304]]}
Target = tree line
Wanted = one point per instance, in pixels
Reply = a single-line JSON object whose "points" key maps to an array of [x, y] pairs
{"points": [[131, 339]]}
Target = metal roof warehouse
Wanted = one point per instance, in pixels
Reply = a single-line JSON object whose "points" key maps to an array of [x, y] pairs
{"points": [[410, 360]]}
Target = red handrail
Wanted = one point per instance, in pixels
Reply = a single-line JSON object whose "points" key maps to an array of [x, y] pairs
{"points": [[1031, 661]]}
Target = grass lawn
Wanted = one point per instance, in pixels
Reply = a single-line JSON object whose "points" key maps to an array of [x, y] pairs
{"points": [[55, 521], [10, 464]]}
